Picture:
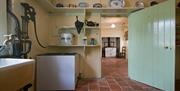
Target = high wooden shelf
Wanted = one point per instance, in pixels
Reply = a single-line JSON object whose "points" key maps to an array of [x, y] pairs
{"points": [[177, 42], [67, 27], [177, 27], [177, 11], [88, 27], [52, 9], [177, 35], [125, 10]]}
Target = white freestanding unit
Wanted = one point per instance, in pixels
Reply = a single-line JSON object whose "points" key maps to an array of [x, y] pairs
{"points": [[110, 52], [57, 71]]}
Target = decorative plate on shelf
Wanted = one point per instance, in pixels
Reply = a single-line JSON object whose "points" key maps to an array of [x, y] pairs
{"points": [[117, 3], [139, 4]]}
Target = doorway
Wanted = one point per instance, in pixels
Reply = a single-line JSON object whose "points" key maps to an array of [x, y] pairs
{"points": [[111, 47], [114, 32], [114, 44]]}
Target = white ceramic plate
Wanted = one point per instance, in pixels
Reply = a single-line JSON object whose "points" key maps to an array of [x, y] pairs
{"points": [[117, 3]]}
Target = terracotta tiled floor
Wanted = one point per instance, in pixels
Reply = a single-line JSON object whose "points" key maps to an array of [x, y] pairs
{"points": [[114, 78]]}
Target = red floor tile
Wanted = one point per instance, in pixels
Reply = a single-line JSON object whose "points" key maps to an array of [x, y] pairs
{"points": [[126, 88], [136, 87], [114, 78], [105, 89]]}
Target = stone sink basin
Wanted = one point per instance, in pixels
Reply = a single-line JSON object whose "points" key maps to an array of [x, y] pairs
{"points": [[15, 73]]}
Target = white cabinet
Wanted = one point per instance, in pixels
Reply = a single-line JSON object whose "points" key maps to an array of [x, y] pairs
{"points": [[110, 52], [57, 71]]}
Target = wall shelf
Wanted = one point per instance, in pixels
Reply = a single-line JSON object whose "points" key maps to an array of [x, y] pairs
{"points": [[92, 45], [177, 42], [74, 46], [52, 9], [87, 27], [177, 11], [67, 27], [125, 10], [177, 26], [178, 33], [65, 46]]}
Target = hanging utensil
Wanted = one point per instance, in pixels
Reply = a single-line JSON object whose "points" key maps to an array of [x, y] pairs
{"points": [[79, 25]]}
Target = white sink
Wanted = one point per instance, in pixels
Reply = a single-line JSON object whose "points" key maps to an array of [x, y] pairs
{"points": [[15, 73], [11, 62]]}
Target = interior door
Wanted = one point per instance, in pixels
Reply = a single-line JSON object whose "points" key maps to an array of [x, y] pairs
{"points": [[152, 46]]}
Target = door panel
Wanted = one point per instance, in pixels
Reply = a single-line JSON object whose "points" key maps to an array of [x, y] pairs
{"points": [[169, 52], [151, 41], [156, 48]]}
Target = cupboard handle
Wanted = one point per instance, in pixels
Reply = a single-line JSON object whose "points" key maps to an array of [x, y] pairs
{"points": [[166, 47]]}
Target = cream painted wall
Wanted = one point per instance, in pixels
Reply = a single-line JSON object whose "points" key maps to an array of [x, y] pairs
{"points": [[41, 23], [42, 27], [3, 21]]}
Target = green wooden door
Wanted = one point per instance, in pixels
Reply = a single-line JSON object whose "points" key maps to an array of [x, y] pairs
{"points": [[152, 46]]}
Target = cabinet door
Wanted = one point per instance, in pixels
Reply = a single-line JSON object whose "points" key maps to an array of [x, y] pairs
{"points": [[3, 20], [151, 46]]}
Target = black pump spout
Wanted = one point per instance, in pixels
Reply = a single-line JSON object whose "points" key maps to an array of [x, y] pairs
{"points": [[29, 11]]}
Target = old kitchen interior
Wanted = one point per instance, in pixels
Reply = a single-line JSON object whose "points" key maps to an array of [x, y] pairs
{"points": [[83, 33]]}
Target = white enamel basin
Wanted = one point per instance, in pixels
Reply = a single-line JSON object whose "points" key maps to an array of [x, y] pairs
{"points": [[15, 73], [10, 62]]}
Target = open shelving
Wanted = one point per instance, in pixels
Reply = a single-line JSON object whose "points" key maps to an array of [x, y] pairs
{"points": [[62, 21], [105, 10], [67, 27], [177, 35], [74, 46], [177, 11], [88, 27], [177, 28]]}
